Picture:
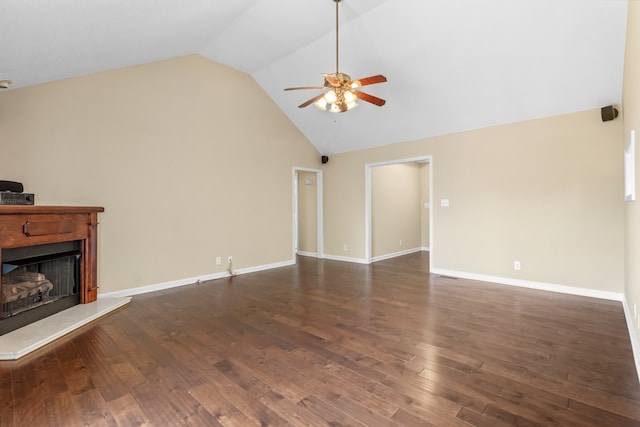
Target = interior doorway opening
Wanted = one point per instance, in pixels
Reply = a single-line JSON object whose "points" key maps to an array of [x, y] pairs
{"points": [[393, 243], [308, 232]]}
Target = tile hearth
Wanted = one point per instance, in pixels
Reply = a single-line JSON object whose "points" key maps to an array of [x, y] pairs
{"points": [[21, 342]]}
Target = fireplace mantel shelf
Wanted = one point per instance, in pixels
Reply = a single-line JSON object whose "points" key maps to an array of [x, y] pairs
{"points": [[37, 209]]}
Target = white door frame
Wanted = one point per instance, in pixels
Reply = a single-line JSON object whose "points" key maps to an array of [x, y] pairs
{"points": [[367, 201], [319, 207]]}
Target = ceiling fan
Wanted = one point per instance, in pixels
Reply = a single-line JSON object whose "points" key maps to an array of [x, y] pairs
{"points": [[340, 92]]}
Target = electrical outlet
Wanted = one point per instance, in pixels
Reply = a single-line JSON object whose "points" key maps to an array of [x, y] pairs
{"points": [[230, 258], [400, 242], [516, 265], [635, 310], [344, 247], [218, 260]]}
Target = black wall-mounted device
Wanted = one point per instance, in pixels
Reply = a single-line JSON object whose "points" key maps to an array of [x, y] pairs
{"points": [[608, 113]]}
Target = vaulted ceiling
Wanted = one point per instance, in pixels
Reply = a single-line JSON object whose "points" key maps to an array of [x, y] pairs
{"points": [[451, 65]]}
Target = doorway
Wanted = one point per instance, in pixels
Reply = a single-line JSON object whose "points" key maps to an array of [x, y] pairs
{"points": [[422, 202], [308, 232]]}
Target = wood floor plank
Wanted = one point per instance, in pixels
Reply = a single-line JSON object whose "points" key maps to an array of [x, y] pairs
{"points": [[61, 406], [164, 403], [325, 343], [351, 384], [126, 411], [601, 417], [477, 419], [6, 397], [226, 414], [292, 412], [614, 404], [92, 408], [328, 412], [76, 376], [410, 419], [245, 401], [271, 374], [28, 415]]}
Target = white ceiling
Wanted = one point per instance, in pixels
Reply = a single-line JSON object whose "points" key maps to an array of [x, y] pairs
{"points": [[451, 65]]}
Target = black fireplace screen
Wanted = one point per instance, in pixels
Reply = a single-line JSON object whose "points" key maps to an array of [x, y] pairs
{"points": [[38, 281]]}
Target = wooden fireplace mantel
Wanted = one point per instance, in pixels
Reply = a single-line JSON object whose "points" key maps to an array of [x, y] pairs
{"points": [[22, 226]]}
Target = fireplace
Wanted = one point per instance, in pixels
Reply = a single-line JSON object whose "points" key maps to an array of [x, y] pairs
{"points": [[48, 258], [38, 281]]}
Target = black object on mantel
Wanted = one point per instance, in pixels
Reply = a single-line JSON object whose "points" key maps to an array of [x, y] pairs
{"points": [[14, 187]]}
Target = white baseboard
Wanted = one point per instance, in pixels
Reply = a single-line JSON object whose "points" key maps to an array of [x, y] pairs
{"points": [[346, 259], [425, 249], [309, 254], [395, 254], [572, 290], [192, 280], [378, 258], [635, 345], [263, 267]]}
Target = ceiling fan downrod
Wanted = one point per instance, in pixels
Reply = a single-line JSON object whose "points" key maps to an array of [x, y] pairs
{"points": [[337, 37]]}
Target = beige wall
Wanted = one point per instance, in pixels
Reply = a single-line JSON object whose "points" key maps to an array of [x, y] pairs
{"points": [[631, 116], [190, 159], [307, 212], [545, 192], [395, 208]]}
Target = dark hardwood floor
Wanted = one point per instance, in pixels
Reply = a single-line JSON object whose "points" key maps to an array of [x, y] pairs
{"points": [[326, 343]]}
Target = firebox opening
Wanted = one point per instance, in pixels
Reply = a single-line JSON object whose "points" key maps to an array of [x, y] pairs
{"points": [[38, 281]]}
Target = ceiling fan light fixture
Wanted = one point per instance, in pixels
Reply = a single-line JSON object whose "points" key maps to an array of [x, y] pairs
{"points": [[351, 105], [349, 97], [331, 97], [338, 100], [340, 92], [321, 104]]}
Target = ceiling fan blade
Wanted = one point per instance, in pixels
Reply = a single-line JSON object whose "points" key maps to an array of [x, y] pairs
{"points": [[311, 101], [368, 81], [305, 87], [370, 98]]}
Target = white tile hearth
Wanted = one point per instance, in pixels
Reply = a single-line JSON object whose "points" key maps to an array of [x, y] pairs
{"points": [[22, 341]]}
